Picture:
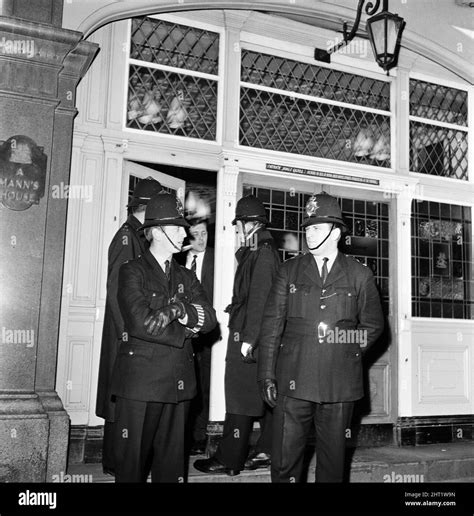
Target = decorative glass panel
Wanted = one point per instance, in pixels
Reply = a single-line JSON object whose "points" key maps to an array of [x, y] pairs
{"points": [[300, 126], [442, 261], [438, 151], [172, 103], [437, 102], [171, 44], [308, 79], [162, 100]]}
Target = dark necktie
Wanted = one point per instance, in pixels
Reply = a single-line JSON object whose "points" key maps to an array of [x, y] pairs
{"points": [[167, 269], [324, 271], [194, 264]]}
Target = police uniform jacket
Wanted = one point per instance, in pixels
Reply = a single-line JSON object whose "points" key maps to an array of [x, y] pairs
{"points": [[313, 361], [161, 368], [257, 266], [127, 244]]}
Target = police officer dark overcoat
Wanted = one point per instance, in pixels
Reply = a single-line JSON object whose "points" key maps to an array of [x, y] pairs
{"points": [[306, 364], [127, 244], [163, 306], [317, 323], [257, 265], [161, 368]]}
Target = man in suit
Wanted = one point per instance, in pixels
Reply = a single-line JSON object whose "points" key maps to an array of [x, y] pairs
{"points": [[322, 314], [258, 262], [127, 244], [163, 305], [200, 260]]}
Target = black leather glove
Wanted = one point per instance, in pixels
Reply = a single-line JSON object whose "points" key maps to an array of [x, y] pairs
{"points": [[269, 392], [159, 319], [249, 358]]}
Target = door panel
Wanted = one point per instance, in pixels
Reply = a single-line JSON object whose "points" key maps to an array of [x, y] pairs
{"points": [[367, 215]]}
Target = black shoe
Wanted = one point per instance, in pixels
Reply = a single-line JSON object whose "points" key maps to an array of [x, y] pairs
{"points": [[198, 448], [257, 460], [212, 465]]}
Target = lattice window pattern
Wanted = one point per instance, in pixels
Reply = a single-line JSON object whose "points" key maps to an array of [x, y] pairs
{"points": [[308, 79], [436, 102], [178, 104], [438, 151], [301, 126], [171, 44], [161, 100], [442, 262], [367, 238]]}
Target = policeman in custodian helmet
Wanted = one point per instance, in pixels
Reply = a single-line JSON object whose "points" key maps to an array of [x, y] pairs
{"points": [[127, 244], [258, 261], [322, 314], [163, 305]]}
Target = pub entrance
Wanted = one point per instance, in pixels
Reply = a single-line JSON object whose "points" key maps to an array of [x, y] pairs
{"points": [[368, 215]]}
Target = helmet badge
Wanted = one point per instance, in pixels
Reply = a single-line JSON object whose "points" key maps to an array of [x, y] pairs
{"points": [[312, 206]]}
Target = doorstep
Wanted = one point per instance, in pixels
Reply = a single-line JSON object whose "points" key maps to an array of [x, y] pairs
{"points": [[450, 462]]}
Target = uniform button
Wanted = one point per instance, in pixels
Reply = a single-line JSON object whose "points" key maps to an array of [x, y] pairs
{"points": [[349, 294], [130, 353], [357, 354], [323, 307], [154, 294]]}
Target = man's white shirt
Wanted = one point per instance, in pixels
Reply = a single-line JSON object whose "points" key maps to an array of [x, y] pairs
{"points": [[199, 261], [320, 261]]}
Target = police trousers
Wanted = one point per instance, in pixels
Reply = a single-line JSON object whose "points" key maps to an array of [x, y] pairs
{"points": [[292, 421], [149, 436]]}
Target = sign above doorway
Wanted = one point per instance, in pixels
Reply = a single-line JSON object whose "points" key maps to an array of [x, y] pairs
{"points": [[319, 173]]}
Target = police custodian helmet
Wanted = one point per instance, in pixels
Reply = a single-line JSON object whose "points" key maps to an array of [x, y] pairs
{"points": [[323, 208], [164, 209], [250, 209], [144, 190]]}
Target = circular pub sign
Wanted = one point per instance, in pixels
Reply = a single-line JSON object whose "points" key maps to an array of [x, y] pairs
{"points": [[22, 173]]}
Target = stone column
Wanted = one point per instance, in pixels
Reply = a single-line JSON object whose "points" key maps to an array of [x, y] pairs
{"points": [[40, 66]]}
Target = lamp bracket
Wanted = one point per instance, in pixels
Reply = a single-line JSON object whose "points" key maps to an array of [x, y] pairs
{"points": [[371, 8]]}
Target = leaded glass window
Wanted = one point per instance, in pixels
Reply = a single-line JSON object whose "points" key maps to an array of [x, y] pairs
{"points": [[173, 79], [438, 130], [442, 262], [302, 108]]}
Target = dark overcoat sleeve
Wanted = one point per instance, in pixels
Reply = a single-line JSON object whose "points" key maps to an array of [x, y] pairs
{"points": [[121, 250], [201, 314], [370, 314], [263, 271], [273, 322]]}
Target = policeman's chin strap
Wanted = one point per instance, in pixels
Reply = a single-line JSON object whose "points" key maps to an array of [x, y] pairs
{"points": [[327, 236], [252, 231], [169, 239]]}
